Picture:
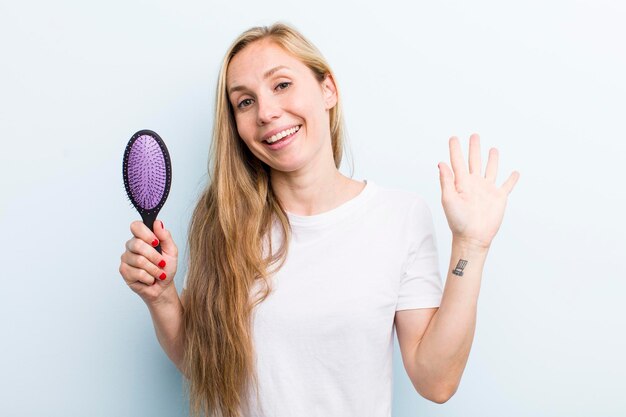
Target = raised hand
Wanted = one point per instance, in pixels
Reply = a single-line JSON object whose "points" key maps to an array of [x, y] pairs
{"points": [[473, 204]]}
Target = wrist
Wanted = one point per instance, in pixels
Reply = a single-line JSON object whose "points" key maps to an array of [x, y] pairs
{"points": [[470, 245], [168, 297]]}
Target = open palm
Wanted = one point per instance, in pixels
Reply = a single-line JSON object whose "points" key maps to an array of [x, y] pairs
{"points": [[473, 204]]}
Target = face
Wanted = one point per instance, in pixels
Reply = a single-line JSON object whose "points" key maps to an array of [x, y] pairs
{"points": [[275, 96]]}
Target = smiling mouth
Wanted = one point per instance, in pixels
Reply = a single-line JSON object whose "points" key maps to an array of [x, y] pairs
{"points": [[282, 135]]}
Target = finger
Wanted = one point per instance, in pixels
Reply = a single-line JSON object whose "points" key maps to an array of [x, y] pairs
{"points": [[141, 262], [141, 231], [137, 251], [165, 237], [456, 159], [134, 275], [475, 165], [510, 182], [446, 179], [492, 165]]}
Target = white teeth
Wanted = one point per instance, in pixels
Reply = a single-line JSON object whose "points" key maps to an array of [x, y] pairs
{"points": [[282, 134]]}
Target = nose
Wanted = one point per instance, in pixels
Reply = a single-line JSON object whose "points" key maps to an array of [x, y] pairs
{"points": [[268, 109]]}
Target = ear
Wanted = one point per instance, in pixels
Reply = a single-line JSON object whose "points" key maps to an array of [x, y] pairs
{"points": [[329, 89]]}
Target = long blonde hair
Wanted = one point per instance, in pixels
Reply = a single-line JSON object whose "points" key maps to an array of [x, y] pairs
{"points": [[225, 238]]}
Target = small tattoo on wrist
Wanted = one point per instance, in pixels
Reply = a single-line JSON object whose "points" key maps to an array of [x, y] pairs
{"points": [[458, 270]]}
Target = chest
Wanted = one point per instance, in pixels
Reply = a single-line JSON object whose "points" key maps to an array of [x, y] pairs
{"points": [[335, 286]]}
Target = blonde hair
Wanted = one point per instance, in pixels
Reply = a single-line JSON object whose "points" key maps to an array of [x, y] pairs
{"points": [[226, 240]]}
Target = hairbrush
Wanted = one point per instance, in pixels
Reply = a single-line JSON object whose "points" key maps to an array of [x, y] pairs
{"points": [[147, 172]]}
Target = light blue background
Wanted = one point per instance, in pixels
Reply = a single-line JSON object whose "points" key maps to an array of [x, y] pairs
{"points": [[544, 82]]}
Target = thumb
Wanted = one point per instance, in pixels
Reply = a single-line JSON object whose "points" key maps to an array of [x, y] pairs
{"points": [[446, 178], [165, 238]]}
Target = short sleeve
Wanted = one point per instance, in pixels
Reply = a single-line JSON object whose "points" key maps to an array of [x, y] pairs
{"points": [[420, 284]]}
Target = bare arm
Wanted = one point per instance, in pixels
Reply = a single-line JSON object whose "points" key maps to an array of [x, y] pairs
{"points": [[436, 349], [474, 207], [167, 317], [441, 355], [150, 274]]}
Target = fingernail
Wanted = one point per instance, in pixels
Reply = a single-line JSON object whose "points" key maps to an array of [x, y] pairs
{"points": [[162, 263], [155, 242], [162, 276], [162, 227]]}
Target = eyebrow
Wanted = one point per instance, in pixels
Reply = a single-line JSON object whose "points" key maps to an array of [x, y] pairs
{"points": [[267, 74]]}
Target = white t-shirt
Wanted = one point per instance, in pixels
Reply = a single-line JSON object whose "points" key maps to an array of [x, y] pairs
{"points": [[324, 336]]}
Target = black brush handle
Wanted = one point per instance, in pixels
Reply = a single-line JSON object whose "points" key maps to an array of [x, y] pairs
{"points": [[148, 220]]}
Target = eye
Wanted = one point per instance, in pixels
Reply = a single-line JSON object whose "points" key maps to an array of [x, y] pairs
{"points": [[283, 85], [244, 103]]}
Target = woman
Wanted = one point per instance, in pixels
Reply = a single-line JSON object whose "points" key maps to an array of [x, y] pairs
{"points": [[297, 273]]}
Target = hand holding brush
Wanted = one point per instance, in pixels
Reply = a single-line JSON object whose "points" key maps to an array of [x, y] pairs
{"points": [[146, 271]]}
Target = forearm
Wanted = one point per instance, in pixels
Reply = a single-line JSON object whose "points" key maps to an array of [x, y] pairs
{"points": [[167, 317], [444, 349]]}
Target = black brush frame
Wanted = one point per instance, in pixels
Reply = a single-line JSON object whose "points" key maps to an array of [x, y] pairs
{"points": [[148, 216]]}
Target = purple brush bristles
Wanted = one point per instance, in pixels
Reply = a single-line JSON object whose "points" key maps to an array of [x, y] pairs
{"points": [[147, 174]]}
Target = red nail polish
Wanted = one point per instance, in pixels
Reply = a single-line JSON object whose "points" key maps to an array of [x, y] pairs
{"points": [[162, 263], [162, 227], [162, 276], [155, 242]]}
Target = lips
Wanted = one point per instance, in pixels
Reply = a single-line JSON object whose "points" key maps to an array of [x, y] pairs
{"points": [[283, 142], [280, 133]]}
